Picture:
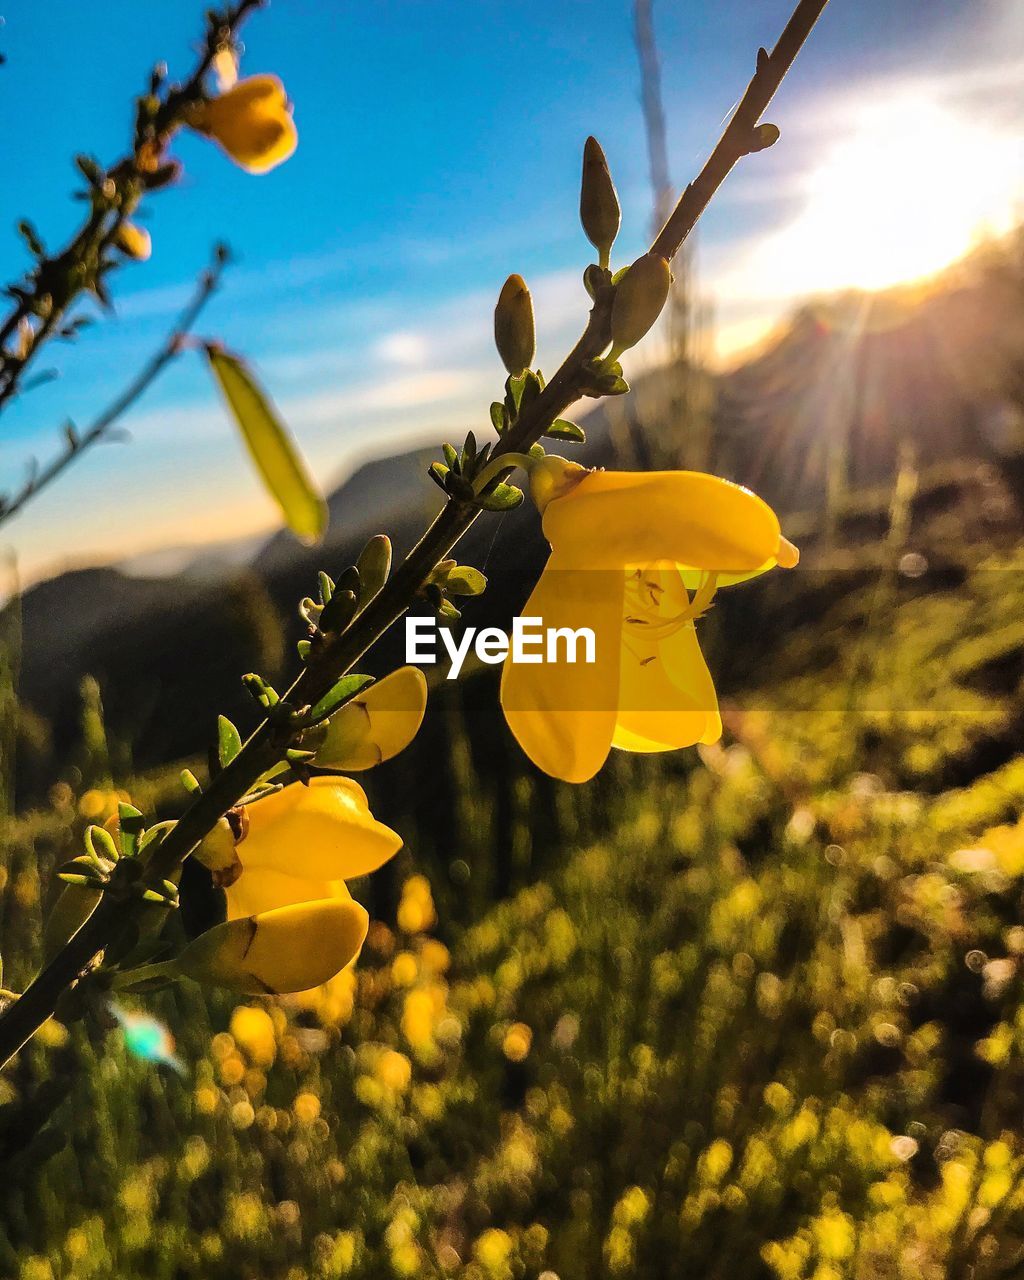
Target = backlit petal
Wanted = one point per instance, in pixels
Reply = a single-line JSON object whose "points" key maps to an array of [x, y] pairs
{"points": [[261, 889], [324, 832], [628, 519], [562, 714]]}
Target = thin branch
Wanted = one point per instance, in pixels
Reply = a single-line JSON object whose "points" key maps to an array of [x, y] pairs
{"points": [[206, 285], [336, 657], [43, 298], [738, 138]]}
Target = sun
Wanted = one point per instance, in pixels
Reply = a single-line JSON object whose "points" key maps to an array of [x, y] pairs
{"points": [[902, 187], [905, 194]]}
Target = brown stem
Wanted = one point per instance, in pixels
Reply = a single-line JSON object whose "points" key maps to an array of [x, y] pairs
{"points": [[56, 283], [734, 143], [169, 349]]}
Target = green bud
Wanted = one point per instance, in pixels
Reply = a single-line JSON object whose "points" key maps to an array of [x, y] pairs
{"points": [[374, 565], [514, 334], [640, 297], [599, 202]]}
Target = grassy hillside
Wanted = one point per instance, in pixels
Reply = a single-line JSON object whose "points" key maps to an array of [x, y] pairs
{"points": [[753, 1013]]}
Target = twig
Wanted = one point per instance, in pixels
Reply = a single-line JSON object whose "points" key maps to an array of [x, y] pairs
{"points": [[341, 652], [76, 444], [735, 141], [44, 297]]}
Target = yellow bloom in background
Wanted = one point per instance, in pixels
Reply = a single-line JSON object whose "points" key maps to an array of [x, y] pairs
{"points": [[252, 122], [635, 557], [253, 1029], [394, 1071], [517, 1041], [416, 909]]}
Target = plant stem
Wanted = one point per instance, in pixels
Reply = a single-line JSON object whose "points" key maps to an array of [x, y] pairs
{"points": [[171, 347], [56, 282], [735, 141], [342, 651]]}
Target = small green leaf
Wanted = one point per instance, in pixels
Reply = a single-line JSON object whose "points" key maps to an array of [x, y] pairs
{"points": [[498, 419], [101, 844], [468, 454], [503, 498], [563, 430], [438, 472], [303, 648], [340, 612], [326, 587], [190, 782], [448, 611], [274, 452], [229, 741], [345, 688], [257, 687], [464, 580], [154, 835], [451, 457], [514, 385], [83, 865], [132, 825]]}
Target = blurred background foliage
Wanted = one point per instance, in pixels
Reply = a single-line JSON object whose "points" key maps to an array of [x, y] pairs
{"points": [[756, 1011]]}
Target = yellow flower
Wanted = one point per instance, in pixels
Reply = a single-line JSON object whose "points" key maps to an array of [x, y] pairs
{"points": [[253, 1028], [635, 557], [291, 921], [252, 122], [304, 842]]}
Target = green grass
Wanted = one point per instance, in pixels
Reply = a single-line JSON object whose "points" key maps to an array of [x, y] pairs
{"points": [[767, 1022]]}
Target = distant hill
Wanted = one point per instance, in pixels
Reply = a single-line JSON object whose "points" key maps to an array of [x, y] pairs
{"points": [[938, 366]]}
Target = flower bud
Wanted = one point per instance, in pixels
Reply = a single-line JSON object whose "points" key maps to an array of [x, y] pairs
{"points": [[374, 566], [514, 334], [599, 202], [640, 297], [552, 477], [375, 725], [287, 949], [133, 241]]}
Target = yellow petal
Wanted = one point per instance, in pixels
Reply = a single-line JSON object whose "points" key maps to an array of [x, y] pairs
{"points": [[288, 949], [563, 714], [261, 889], [324, 832], [377, 724], [252, 122], [621, 518], [667, 698]]}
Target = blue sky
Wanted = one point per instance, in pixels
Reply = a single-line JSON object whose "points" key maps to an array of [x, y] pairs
{"points": [[439, 150]]}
